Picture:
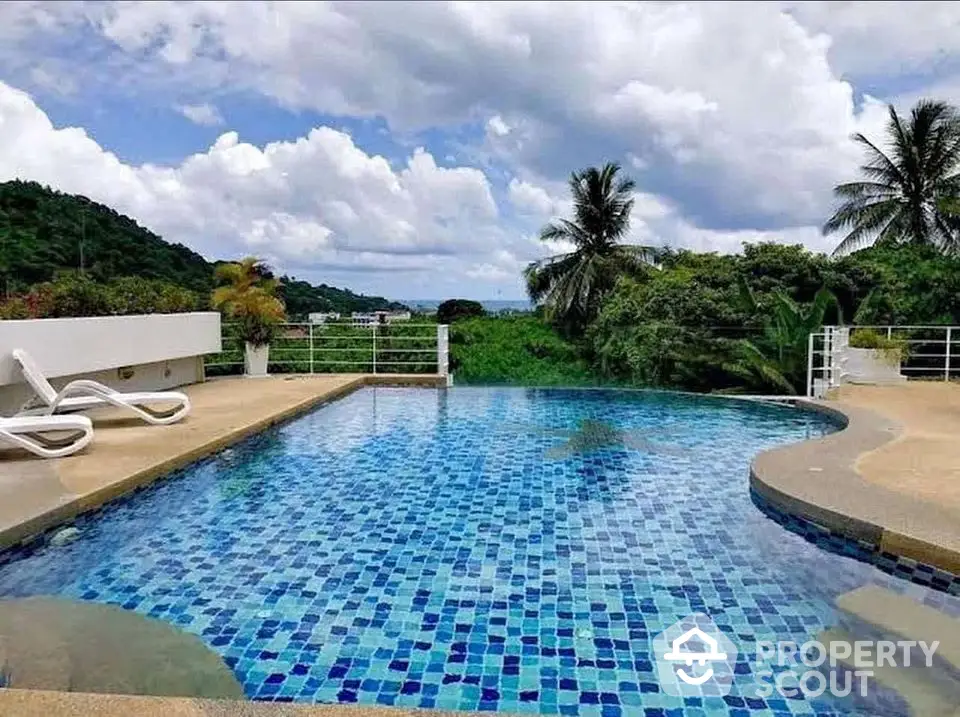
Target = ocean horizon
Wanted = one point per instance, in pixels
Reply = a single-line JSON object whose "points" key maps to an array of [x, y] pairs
{"points": [[492, 305]]}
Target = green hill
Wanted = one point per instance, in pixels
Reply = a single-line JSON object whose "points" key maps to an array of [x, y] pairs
{"points": [[43, 232]]}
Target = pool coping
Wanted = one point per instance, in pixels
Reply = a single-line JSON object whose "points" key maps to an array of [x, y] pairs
{"points": [[817, 481], [38, 524]]}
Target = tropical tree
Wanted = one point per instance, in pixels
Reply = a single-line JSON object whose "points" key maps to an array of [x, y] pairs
{"points": [[247, 293], [910, 193], [570, 285], [778, 358]]}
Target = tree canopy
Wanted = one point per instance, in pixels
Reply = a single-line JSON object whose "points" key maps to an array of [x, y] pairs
{"points": [[911, 192]]}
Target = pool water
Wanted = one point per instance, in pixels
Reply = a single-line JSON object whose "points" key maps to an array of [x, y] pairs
{"points": [[477, 548]]}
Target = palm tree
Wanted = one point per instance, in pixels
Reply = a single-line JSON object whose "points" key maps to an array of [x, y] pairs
{"points": [[570, 285], [911, 194], [248, 295]]}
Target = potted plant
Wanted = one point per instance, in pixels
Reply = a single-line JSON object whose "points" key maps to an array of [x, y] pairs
{"points": [[874, 358], [247, 294]]}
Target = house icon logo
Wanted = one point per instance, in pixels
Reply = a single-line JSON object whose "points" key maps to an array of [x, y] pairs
{"points": [[695, 658]]}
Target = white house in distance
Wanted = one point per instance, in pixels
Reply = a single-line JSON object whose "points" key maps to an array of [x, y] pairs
{"points": [[322, 317], [375, 318]]}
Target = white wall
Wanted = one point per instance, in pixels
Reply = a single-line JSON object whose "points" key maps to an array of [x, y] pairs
{"points": [[130, 353]]}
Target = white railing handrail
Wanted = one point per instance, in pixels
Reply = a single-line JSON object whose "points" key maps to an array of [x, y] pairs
{"points": [[375, 345], [827, 352]]}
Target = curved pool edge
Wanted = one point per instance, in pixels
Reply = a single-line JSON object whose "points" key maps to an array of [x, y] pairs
{"points": [[814, 489]]}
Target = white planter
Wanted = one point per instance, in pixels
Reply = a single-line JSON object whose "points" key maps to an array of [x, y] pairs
{"points": [[255, 360], [869, 366]]}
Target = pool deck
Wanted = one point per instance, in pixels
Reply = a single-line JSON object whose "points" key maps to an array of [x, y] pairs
{"points": [[890, 478], [37, 494], [36, 703]]}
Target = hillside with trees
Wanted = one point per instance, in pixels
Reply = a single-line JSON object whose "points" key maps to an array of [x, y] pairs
{"points": [[45, 234]]}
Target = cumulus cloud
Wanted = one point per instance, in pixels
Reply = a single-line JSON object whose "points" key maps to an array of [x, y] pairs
{"points": [[205, 114], [883, 38], [734, 118], [733, 110], [530, 199], [319, 202]]}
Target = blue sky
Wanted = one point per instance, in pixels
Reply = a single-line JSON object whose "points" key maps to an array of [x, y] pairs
{"points": [[415, 149]]}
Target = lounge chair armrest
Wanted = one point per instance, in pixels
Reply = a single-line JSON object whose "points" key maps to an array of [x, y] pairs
{"points": [[81, 387], [86, 385]]}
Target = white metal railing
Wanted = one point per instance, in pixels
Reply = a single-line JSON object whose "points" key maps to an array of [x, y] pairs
{"points": [[344, 347], [933, 352]]}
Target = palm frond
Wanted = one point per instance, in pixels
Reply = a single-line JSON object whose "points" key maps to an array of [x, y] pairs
{"points": [[570, 286], [906, 195]]}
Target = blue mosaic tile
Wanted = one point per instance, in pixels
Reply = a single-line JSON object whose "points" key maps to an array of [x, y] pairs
{"points": [[501, 550], [836, 542]]}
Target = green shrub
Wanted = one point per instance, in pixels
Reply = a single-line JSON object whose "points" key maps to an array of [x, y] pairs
{"points": [[894, 351], [514, 350], [455, 309], [72, 294]]}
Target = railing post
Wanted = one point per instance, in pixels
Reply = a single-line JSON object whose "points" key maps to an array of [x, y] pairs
{"points": [[946, 364], [810, 341], [374, 328], [311, 347], [443, 351]]}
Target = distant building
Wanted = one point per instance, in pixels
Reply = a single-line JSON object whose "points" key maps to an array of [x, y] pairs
{"points": [[323, 317], [375, 318]]}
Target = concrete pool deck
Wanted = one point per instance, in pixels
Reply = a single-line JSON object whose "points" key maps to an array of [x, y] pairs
{"points": [[37, 494], [36, 703], [890, 478]]}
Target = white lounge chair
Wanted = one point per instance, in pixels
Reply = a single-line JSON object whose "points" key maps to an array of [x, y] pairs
{"points": [[47, 436], [84, 394]]}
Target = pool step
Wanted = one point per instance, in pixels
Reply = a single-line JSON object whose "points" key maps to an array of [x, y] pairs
{"points": [[872, 613], [884, 614], [926, 692]]}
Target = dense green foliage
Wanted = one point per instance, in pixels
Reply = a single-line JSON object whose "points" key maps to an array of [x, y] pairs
{"points": [[571, 286], [520, 349], [687, 325], [302, 298], [455, 309], [777, 357], [911, 192], [44, 233], [71, 294]]}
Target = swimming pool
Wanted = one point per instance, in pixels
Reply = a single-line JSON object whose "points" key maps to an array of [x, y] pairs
{"points": [[477, 548]]}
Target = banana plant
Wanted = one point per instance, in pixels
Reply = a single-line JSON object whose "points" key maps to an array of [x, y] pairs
{"points": [[778, 358]]}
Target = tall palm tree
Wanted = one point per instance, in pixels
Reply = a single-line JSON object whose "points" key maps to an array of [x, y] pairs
{"points": [[911, 194], [570, 285]]}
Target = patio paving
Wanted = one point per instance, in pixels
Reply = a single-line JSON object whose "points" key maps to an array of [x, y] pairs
{"points": [[30, 703], [889, 478], [36, 494], [924, 461]]}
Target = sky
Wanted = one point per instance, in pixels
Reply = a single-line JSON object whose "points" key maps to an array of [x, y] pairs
{"points": [[414, 150]]}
